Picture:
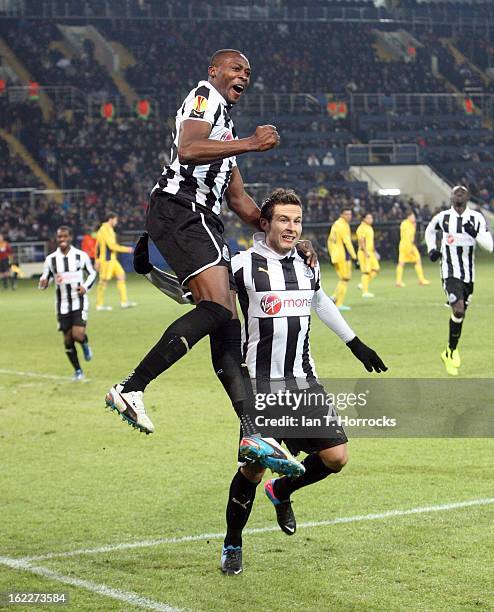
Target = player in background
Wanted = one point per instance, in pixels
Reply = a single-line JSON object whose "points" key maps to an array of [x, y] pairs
{"points": [[5, 255], [462, 229], [15, 273], [369, 264], [89, 242], [184, 223], [342, 253], [408, 252], [66, 267], [107, 263]]}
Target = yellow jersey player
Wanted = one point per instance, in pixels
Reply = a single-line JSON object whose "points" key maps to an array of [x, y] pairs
{"points": [[107, 263], [408, 252], [369, 265], [341, 251]]}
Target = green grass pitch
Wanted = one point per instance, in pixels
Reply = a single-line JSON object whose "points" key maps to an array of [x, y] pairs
{"points": [[73, 476]]}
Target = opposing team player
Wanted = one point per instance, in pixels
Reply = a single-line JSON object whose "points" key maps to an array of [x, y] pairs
{"points": [[67, 267], [369, 264], [408, 252], [342, 253], [462, 228], [107, 263], [183, 221]]}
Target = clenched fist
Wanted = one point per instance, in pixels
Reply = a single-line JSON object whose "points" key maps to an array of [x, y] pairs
{"points": [[265, 137]]}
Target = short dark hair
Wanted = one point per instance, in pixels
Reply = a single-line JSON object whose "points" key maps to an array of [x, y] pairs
{"points": [[342, 210], [65, 228], [110, 214], [367, 212], [278, 196], [217, 55]]}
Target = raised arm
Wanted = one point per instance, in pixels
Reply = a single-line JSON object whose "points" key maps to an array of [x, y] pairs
{"points": [[195, 147], [240, 202]]}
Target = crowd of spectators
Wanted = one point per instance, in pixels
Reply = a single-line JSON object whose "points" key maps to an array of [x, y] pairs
{"points": [[32, 42], [303, 57], [117, 162]]}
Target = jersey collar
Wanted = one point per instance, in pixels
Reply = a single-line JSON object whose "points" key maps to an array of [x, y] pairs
{"points": [[209, 86], [467, 210], [263, 249]]}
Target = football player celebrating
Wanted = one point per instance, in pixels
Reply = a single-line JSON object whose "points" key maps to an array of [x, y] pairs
{"points": [[462, 228]]}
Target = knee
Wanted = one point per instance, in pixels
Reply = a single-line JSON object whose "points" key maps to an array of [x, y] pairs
{"points": [[335, 458], [121, 278], [253, 472], [78, 336], [220, 312]]}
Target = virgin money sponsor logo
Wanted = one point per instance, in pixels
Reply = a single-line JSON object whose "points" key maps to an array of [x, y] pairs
{"points": [[450, 239], [271, 304]]}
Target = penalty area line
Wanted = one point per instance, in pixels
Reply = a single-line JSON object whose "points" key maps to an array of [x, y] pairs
{"points": [[127, 597], [217, 536]]}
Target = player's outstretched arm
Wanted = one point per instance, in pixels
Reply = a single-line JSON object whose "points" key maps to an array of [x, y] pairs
{"points": [[195, 147], [329, 314], [240, 202]]}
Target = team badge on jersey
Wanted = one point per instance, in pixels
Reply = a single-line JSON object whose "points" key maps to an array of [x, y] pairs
{"points": [[226, 253], [450, 239], [271, 304], [308, 272]]}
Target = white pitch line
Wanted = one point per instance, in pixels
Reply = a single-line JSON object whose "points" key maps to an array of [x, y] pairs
{"points": [[217, 536], [127, 597], [38, 375]]}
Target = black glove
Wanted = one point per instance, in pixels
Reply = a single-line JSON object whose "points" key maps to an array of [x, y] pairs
{"points": [[356, 263], [141, 255], [434, 255], [469, 227], [366, 355]]}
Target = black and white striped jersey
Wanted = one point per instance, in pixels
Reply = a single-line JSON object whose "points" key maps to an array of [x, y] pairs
{"points": [[276, 295], [457, 247], [67, 271], [202, 184]]}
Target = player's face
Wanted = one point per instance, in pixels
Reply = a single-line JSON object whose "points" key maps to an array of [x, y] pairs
{"points": [[459, 197], [64, 239], [113, 221], [369, 219], [231, 77], [285, 228], [347, 215], [412, 218]]}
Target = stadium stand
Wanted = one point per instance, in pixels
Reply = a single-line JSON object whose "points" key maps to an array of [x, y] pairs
{"points": [[386, 93]]}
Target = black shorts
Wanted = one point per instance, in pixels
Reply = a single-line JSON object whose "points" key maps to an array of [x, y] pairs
{"points": [[76, 318], [456, 289], [190, 240], [334, 435]]}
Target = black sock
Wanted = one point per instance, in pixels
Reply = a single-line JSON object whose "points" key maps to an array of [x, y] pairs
{"points": [[454, 333], [226, 356], [315, 470], [240, 501], [71, 353], [176, 341]]}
